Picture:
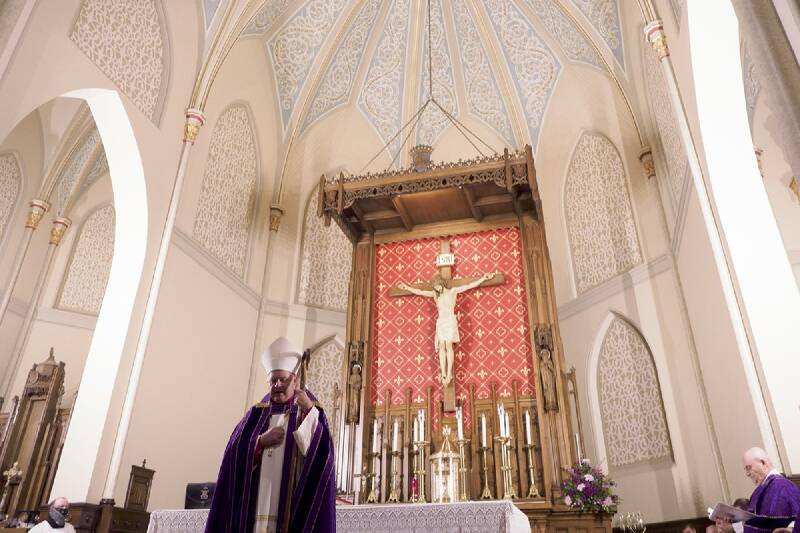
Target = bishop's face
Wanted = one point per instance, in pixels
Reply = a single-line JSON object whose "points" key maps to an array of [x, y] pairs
{"points": [[282, 385]]}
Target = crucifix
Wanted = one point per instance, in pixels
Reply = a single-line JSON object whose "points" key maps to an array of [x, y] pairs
{"points": [[444, 291]]}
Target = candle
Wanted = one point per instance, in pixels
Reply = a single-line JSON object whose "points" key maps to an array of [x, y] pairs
{"points": [[501, 419], [421, 425], [578, 447], [460, 423], [375, 435], [395, 436], [508, 431], [414, 429], [528, 439], [483, 430]]}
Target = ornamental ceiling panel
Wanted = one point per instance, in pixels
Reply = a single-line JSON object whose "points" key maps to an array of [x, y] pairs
{"points": [[340, 74], [74, 168], [265, 18], [534, 67], [433, 121], [575, 44], [604, 17], [381, 98], [295, 47], [483, 94]]}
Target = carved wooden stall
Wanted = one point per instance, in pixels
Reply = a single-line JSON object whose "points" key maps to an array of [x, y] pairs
{"points": [[33, 439], [442, 200]]}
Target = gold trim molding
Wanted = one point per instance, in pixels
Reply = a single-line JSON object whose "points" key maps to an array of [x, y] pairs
{"points": [[37, 211], [194, 119], [60, 225], [654, 33]]}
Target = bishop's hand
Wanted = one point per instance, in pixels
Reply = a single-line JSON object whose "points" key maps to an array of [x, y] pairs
{"points": [[303, 400], [272, 437]]}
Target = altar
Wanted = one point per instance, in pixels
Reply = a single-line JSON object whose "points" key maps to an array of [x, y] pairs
{"points": [[472, 517]]}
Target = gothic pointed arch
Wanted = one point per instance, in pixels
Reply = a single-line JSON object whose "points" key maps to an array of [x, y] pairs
{"points": [[129, 43], [225, 210], [631, 407], [326, 258], [598, 212], [86, 277], [10, 187], [325, 378]]}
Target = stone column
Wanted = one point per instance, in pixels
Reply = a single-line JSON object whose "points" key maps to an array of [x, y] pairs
{"points": [[37, 211], [60, 225], [194, 120]]}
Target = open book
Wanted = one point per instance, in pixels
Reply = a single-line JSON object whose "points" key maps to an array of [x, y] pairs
{"points": [[729, 513]]}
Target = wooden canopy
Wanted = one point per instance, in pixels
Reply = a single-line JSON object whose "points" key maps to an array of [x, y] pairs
{"points": [[401, 200]]}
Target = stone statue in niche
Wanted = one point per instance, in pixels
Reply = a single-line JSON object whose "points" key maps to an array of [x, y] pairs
{"points": [[544, 347], [446, 322], [354, 382]]}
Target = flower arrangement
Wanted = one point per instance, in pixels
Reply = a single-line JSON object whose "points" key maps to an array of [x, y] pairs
{"points": [[588, 489]]}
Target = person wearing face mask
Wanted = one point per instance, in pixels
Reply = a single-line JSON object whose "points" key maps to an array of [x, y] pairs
{"points": [[277, 473], [56, 519]]}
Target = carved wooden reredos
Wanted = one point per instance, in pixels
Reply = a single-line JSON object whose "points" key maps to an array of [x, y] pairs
{"points": [[435, 201]]}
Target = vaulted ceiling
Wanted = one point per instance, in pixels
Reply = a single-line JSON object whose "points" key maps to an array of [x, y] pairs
{"points": [[497, 61]]}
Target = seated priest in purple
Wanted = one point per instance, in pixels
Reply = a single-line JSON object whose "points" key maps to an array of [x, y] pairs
{"points": [[776, 500], [277, 474]]}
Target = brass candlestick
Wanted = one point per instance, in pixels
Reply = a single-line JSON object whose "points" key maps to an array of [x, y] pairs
{"points": [[462, 469], [487, 492], [396, 479], [505, 456], [372, 497], [413, 490], [419, 473], [533, 492]]}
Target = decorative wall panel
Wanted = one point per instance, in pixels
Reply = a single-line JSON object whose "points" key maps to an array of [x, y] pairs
{"points": [[225, 209], [483, 95], [75, 168], [381, 98], [493, 322], [294, 49], [600, 223], [10, 186], [677, 162], [604, 16], [566, 33], [266, 17], [340, 74], [433, 121], [533, 65], [631, 406], [325, 262], [98, 170], [87, 274], [324, 373], [126, 41], [752, 87]]}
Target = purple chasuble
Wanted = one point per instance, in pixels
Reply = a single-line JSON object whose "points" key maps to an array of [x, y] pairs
{"points": [[776, 498], [313, 503]]}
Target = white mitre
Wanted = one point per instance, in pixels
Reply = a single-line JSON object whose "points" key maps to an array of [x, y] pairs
{"points": [[281, 355]]}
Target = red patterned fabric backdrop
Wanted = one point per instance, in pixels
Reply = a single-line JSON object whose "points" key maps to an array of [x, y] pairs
{"points": [[493, 321]]}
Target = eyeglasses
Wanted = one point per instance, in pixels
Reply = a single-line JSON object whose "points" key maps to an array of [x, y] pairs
{"points": [[284, 381]]}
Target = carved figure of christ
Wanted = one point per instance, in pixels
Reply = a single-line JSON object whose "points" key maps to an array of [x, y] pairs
{"points": [[444, 292]]}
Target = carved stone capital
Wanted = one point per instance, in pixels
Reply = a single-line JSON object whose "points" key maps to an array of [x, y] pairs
{"points": [[275, 216], [654, 34], [37, 210], [60, 225], [648, 165], [194, 119]]}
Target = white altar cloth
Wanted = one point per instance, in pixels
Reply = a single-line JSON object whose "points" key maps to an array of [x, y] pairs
{"points": [[465, 517]]}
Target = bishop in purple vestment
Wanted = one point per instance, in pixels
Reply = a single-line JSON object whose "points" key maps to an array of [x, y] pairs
{"points": [[277, 473], [776, 500]]}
